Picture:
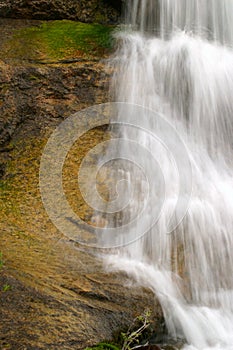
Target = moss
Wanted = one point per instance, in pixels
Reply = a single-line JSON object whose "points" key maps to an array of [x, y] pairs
{"points": [[8, 204], [4, 186], [104, 346], [58, 40], [34, 78]]}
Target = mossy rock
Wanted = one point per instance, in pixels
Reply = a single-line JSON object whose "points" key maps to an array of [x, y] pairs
{"points": [[104, 346], [59, 40]]}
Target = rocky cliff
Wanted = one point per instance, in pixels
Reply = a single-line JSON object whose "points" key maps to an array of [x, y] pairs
{"points": [[101, 11], [54, 294], [45, 76]]}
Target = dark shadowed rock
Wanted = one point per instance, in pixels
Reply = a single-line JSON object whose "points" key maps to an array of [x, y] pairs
{"points": [[101, 11]]}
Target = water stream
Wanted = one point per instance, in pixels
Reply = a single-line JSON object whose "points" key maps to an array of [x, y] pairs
{"points": [[175, 58]]}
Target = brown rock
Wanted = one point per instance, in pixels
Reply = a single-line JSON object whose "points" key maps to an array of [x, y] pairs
{"points": [[60, 297], [101, 11]]}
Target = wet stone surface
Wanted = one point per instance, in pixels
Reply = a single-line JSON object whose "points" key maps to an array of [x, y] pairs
{"points": [[54, 293]]}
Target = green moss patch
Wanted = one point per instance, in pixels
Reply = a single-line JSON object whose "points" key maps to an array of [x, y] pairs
{"points": [[59, 40], [103, 346]]}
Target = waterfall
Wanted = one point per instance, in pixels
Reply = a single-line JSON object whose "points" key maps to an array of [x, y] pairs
{"points": [[209, 18], [174, 78]]}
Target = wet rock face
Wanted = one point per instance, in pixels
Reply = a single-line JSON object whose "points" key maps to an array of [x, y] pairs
{"points": [[40, 95], [101, 11], [37, 97], [58, 296]]}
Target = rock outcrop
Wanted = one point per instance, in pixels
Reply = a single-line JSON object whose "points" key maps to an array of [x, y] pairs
{"points": [[101, 11], [38, 95], [54, 294]]}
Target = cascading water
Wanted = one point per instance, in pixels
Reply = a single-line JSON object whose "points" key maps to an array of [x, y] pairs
{"points": [[175, 57]]}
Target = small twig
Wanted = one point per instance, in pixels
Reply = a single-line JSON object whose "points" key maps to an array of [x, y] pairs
{"points": [[131, 337]]}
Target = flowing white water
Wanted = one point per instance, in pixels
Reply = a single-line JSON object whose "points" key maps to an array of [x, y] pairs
{"points": [[175, 57]]}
